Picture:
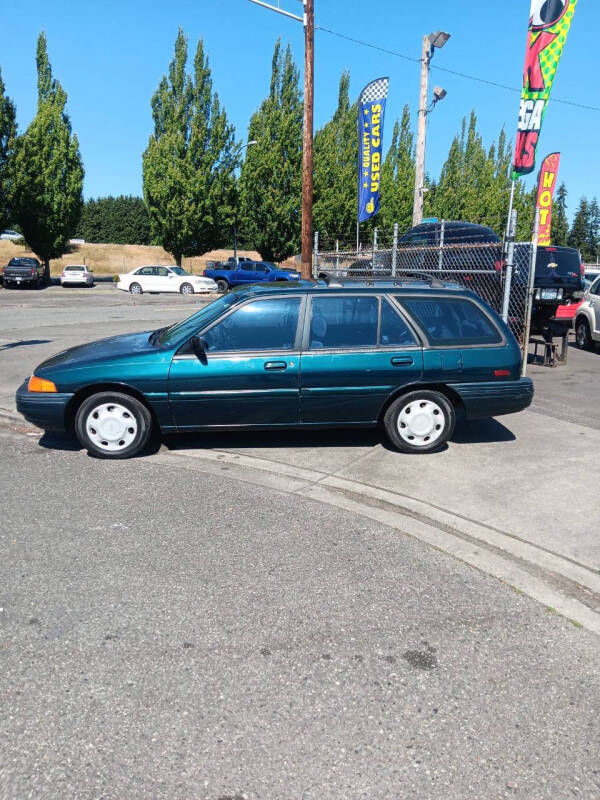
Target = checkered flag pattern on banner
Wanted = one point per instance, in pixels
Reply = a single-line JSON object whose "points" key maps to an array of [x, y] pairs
{"points": [[376, 90]]}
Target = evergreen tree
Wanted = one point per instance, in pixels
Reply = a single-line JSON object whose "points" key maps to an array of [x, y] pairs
{"points": [[578, 237], [188, 165], [115, 220], [8, 135], [271, 176], [48, 173], [335, 169], [560, 221], [593, 237], [398, 178]]}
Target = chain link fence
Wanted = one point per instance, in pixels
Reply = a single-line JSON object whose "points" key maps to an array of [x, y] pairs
{"points": [[455, 257]]}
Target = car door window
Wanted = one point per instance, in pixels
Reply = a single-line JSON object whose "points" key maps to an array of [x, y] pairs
{"points": [[393, 329], [260, 268], [595, 288], [341, 322], [162, 272], [269, 324], [452, 322], [145, 271]]}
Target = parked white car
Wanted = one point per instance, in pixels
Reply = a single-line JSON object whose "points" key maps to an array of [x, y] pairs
{"points": [[76, 273], [587, 322], [164, 279], [13, 236]]}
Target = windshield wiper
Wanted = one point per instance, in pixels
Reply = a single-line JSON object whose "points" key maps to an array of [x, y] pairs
{"points": [[155, 334]]}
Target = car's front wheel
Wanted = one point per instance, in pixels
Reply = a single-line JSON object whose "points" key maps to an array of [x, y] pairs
{"points": [[583, 335], [135, 288], [420, 422], [186, 288], [113, 425], [222, 286]]}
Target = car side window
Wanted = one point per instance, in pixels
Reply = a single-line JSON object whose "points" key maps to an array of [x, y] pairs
{"points": [[269, 324], [595, 288], [260, 268], [145, 271], [162, 271], [452, 321], [339, 322], [393, 329]]}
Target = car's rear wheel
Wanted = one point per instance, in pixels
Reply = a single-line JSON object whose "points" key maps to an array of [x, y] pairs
{"points": [[222, 286], [583, 335], [420, 422], [113, 425], [186, 288], [135, 288]]}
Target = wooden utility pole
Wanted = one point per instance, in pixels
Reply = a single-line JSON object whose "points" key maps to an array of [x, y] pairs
{"points": [[307, 137], [421, 134]]}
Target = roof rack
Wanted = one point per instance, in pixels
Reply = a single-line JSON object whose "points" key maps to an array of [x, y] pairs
{"points": [[432, 280]]}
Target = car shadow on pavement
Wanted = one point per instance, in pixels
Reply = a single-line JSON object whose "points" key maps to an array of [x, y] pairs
{"points": [[481, 431], [266, 439], [23, 343]]}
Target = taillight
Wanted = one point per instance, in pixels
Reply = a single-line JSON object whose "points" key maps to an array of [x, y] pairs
{"points": [[63, 275], [502, 373], [33, 272]]}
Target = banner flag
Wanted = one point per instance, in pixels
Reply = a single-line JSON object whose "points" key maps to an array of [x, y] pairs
{"points": [[371, 111], [549, 24], [545, 196]]}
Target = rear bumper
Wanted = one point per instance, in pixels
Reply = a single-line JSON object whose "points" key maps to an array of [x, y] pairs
{"points": [[483, 400], [46, 410]]}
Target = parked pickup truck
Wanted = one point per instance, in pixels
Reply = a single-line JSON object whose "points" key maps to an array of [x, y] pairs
{"points": [[228, 275], [23, 271]]}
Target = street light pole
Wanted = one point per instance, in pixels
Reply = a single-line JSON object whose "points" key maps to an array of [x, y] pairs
{"points": [[307, 137], [308, 20], [430, 43]]}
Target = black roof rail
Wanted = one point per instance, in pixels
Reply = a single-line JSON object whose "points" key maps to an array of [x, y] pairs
{"points": [[432, 280]]}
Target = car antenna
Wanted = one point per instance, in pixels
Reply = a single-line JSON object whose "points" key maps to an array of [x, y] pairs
{"points": [[331, 280]]}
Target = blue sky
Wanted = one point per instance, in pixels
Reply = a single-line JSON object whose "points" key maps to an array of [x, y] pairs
{"points": [[111, 55]]}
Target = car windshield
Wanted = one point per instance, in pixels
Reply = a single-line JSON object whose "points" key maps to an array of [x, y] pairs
{"points": [[181, 331], [179, 271]]}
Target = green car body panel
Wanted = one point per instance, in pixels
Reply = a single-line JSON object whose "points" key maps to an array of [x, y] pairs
{"points": [[293, 388]]}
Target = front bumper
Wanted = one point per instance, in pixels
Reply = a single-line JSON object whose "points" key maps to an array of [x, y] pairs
{"points": [[482, 400], [44, 409]]}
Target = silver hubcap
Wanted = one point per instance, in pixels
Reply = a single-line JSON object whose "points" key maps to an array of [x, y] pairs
{"points": [[111, 427], [186, 289], [581, 335], [135, 289], [421, 423]]}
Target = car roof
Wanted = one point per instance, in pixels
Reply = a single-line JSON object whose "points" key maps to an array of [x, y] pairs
{"points": [[351, 286]]}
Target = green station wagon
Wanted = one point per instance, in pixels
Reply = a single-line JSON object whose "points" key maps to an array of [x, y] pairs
{"points": [[407, 356]]}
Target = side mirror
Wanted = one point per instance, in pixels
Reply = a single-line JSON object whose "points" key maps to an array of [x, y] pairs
{"points": [[199, 348]]}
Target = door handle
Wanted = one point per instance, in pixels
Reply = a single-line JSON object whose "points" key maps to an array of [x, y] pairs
{"points": [[402, 361], [273, 366]]}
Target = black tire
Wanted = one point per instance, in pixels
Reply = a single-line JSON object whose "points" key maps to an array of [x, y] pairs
{"points": [[583, 334], [141, 425], [427, 437], [135, 288], [186, 288], [222, 286]]}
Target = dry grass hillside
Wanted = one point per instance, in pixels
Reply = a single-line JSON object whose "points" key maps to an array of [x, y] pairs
{"points": [[112, 259]]}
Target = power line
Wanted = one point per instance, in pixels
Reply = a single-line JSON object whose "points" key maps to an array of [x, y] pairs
{"points": [[445, 69]]}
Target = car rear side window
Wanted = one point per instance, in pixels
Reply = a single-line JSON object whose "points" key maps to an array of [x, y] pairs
{"points": [[340, 322], [269, 324], [452, 321]]}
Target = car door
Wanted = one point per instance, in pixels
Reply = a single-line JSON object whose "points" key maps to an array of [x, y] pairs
{"points": [[594, 301], [357, 350], [146, 278], [251, 371], [165, 280]]}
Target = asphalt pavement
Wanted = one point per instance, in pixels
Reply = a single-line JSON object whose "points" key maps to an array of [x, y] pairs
{"points": [[168, 633]]}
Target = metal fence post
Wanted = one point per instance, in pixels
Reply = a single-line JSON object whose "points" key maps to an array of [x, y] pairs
{"points": [[337, 255], [441, 255], [375, 233], [316, 255], [510, 260], [395, 250], [530, 290]]}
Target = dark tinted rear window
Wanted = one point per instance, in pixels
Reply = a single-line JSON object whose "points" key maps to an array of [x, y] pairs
{"points": [[567, 262], [452, 321]]}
